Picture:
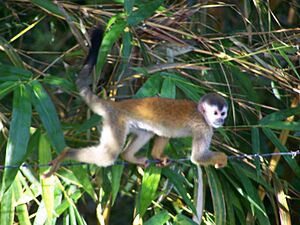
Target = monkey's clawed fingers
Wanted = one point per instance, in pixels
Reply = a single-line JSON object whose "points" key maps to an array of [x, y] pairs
{"points": [[161, 162]]}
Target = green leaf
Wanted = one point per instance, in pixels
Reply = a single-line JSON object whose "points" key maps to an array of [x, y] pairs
{"points": [[110, 37], [128, 6], [150, 88], [255, 204], [11, 53], [244, 82], [251, 194], [46, 183], [67, 202], [21, 209], [60, 82], [278, 116], [275, 140], [7, 208], [190, 90], [183, 220], [178, 181], [7, 87], [93, 121], [168, 89], [46, 110], [125, 51], [149, 186], [283, 125], [144, 11], [286, 57], [49, 7], [13, 73], [256, 146], [217, 195], [159, 218], [117, 171], [84, 180], [19, 134]]}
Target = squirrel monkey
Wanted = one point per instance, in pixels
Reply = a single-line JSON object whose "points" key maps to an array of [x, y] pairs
{"points": [[160, 118]]}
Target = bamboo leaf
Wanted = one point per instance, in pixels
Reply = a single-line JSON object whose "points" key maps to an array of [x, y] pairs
{"points": [[19, 134], [125, 51], [258, 209], [128, 6], [278, 116], [217, 196], [275, 140], [283, 207], [168, 89], [283, 125], [60, 82], [159, 218], [46, 109], [183, 220], [11, 53], [140, 14], [117, 171], [150, 88], [13, 73], [149, 186], [110, 37], [7, 87], [84, 180], [21, 209], [255, 147], [49, 7], [178, 181], [46, 183], [7, 208]]}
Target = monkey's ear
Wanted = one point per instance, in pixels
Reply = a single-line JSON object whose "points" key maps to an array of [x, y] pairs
{"points": [[201, 107]]}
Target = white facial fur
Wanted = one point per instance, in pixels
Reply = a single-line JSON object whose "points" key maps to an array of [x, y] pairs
{"points": [[213, 116]]}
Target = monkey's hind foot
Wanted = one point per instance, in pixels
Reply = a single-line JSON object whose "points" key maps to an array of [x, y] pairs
{"points": [[55, 164], [163, 162]]}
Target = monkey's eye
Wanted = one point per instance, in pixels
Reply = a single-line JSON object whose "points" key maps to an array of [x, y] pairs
{"points": [[216, 113], [223, 114]]}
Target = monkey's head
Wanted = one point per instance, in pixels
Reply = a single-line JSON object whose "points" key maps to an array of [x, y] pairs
{"points": [[214, 109]]}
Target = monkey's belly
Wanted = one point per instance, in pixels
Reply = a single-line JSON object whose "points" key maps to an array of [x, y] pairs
{"points": [[160, 130]]}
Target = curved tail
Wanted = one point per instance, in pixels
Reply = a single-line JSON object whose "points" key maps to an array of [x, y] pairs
{"points": [[83, 80]]}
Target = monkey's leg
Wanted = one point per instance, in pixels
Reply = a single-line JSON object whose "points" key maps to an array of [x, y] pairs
{"points": [[137, 142], [158, 149], [104, 154]]}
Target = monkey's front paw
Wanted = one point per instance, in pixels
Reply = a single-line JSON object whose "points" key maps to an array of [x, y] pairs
{"points": [[220, 165], [221, 160]]}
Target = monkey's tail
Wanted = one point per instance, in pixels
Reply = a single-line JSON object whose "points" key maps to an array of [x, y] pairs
{"points": [[83, 80]]}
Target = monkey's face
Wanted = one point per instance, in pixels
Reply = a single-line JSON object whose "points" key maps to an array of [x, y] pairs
{"points": [[213, 114]]}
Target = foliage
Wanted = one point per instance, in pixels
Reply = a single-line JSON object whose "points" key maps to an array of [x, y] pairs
{"points": [[247, 51]]}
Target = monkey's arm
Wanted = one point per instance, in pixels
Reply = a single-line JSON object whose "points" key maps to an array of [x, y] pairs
{"points": [[201, 154]]}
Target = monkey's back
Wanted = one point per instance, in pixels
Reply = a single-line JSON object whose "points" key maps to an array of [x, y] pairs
{"points": [[163, 111]]}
